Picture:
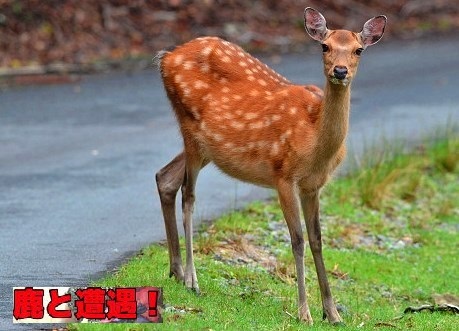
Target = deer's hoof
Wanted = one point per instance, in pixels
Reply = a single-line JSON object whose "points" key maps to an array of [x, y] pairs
{"points": [[191, 282], [339, 324], [177, 272], [305, 316], [195, 290]]}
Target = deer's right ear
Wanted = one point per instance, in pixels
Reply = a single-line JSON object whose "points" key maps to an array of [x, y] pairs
{"points": [[373, 30], [315, 24]]}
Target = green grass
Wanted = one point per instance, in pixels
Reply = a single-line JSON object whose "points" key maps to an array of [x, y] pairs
{"points": [[390, 234]]}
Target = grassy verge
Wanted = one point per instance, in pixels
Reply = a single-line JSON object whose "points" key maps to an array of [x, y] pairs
{"points": [[390, 241]]}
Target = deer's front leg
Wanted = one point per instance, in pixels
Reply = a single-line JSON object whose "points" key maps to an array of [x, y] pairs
{"points": [[310, 205], [289, 204], [168, 180]]}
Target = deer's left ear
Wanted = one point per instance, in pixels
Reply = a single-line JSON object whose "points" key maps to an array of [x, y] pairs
{"points": [[315, 24], [373, 30]]}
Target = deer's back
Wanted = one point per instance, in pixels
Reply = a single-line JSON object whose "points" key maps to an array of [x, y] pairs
{"points": [[247, 119]]}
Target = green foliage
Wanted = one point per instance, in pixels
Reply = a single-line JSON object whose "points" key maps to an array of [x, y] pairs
{"points": [[390, 241], [388, 174]]}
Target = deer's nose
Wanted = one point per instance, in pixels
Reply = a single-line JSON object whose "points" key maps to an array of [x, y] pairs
{"points": [[340, 72]]}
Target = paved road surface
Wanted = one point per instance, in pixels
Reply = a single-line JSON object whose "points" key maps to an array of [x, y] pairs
{"points": [[77, 161]]}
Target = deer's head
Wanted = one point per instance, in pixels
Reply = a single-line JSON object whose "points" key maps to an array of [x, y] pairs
{"points": [[342, 48]]}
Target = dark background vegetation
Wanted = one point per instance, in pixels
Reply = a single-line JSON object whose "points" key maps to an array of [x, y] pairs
{"points": [[36, 32]]}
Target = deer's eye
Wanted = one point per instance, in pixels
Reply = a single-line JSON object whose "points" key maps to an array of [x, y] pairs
{"points": [[325, 48], [358, 51]]}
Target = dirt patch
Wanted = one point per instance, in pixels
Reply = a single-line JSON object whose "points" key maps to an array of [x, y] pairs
{"points": [[243, 251]]}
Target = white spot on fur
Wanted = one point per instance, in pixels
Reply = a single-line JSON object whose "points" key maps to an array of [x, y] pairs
{"points": [[250, 116], [262, 82], [293, 110], [274, 149], [267, 122], [188, 65], [223, 80], [251, 78], [309, 108], [226, 89], [285, 135], [276, 118], [199, 84], [284, 93], [243, 63], [178, 78], [248, 71], [262, 144], [240, 149], [225, 99], [256, 125], [254, 93], [194, 111], [178, 59], [206, 51], [186, 92], [217, 137], [237, 97], [205, 68], [228, 116], [237, 125], [226, 59]]}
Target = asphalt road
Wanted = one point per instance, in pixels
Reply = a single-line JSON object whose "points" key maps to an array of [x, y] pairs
{"points": [[77, 161]]}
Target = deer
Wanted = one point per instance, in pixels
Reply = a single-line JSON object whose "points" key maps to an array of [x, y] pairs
{"points": [[258, 127]]}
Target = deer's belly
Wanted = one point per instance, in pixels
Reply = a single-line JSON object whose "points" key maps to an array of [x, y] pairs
{"points": [[257, 172]]}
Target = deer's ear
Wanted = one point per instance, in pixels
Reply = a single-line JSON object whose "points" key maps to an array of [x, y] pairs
{"points": [[315, 24], [373, 30]]}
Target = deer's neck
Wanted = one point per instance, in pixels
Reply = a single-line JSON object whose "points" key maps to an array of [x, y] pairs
{"points": [[334, 122]]}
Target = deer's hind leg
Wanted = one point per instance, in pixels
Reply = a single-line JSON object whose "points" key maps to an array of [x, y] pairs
{"points": [[168, 180], [194, 162]]}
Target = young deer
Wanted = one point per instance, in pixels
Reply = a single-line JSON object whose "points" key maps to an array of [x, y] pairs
{"points": [[258, 127]]}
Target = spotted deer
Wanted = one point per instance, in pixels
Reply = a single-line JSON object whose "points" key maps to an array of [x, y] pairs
{"points": [[258, 127]]}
